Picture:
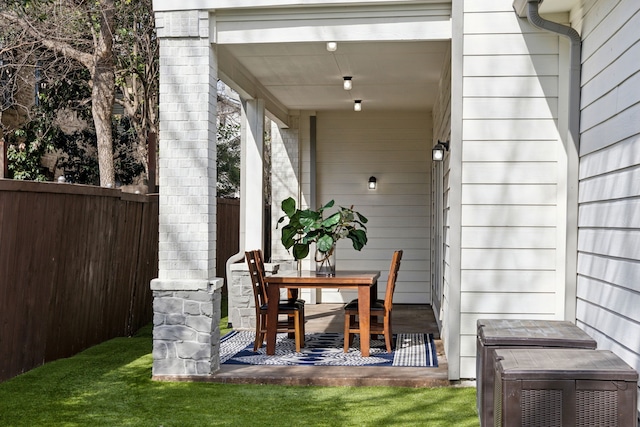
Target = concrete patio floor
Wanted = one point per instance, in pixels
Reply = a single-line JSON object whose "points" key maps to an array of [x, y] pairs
{"points": [[329, 318]]}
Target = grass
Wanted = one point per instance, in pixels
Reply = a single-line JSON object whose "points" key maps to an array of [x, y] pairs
{"points": [[110, 385]]}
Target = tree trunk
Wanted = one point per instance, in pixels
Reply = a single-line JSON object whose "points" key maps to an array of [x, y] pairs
{"points": [[103, 92], [102, 97]]}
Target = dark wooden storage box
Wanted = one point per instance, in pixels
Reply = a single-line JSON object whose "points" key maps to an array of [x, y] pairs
{"points": [[511, 333], [564, 387]]}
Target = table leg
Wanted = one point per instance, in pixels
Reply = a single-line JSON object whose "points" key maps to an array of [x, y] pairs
{"points": [[273, 295], [364, 317]]}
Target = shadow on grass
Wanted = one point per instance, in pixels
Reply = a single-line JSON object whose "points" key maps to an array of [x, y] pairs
{"points": [[110, 385]]}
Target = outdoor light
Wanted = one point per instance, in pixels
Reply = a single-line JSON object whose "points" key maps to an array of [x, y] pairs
{"points": [[347, 84], [332, 46], [357, 105], [372, 183], [437, 154]]}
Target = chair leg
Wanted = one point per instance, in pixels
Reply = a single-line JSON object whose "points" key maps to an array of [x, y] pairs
{"points": [[302, 321], [298, 331], [347, 334], [388, 333], [259, 334]]}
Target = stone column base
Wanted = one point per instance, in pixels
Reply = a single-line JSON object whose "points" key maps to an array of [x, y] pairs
{"points": [[186, 327]]}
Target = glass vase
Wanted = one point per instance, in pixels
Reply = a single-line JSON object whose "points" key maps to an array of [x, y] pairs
{"points": [[326, 262]]}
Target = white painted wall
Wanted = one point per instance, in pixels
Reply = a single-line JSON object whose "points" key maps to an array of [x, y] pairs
{"points": [[609, 215], [439, 174], [394, 147], [511, 203]]}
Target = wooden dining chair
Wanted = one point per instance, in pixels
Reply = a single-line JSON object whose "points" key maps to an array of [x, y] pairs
{"points": [[380, 311], [294, 310], [292, 294]]}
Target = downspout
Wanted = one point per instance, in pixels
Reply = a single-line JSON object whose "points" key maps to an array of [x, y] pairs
{"points": [[574, 77], [571, 249]]}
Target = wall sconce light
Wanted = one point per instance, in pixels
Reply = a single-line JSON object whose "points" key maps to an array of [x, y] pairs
{"points": [[437, 154], [332, 46], [347, 84], [357, 105], [373, 183]]}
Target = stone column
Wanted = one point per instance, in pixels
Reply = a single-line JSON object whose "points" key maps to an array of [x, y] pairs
{"points": [[186, 300], [242, 312], [186, 328]]}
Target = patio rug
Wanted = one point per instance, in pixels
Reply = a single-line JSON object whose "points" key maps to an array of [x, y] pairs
{"points": [[325, 349]]}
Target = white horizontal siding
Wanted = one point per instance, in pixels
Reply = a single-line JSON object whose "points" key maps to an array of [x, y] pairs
{"points": [[616, 185], [510, 173], [508, 259], [496, 303], [509, 194], [512, 65], [506, 281], [512, 176], [510, 44], [617, 128], [509, 130], [615, 214], [509, 237], [395, 148], [614, 243], [511, 86], [510, 151], [509, 108], [508, 216]]}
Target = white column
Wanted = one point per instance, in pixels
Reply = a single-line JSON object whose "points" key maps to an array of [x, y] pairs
{"points": [[188, 74], [251, 178], [186, 331], [285, 182]]}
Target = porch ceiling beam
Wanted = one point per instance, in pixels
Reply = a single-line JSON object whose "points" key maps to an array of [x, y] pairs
{"points": [[170, 5], [395, 22], [238, 78]]}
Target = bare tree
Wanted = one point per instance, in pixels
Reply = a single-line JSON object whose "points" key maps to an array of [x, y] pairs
{"points": [[137, 65], [80, 31]]}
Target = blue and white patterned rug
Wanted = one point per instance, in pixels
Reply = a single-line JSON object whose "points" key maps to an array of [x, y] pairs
{"points": [[325, 349]]}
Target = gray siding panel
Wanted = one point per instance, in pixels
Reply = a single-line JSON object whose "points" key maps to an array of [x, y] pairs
{"points": [[609, 215]]}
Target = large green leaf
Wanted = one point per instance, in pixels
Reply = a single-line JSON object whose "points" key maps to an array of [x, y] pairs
{"points": [[300, 250], [332, 220], [309, 219], [289, 206], [362, 218], [324, 243], [288, 236], [328, 205], [359, 238]]}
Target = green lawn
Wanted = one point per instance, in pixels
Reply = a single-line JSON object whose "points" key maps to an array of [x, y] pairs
{"points": [[110, 385]]}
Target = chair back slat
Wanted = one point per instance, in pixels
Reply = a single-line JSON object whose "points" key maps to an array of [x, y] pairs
{"points": [[256, 274], [391, 281]]}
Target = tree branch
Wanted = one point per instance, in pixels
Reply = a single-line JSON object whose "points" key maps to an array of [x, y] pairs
{"points": [[65, 49]]}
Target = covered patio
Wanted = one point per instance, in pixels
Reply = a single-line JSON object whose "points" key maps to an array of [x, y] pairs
{"points": [[279, 60], [329, 318]]}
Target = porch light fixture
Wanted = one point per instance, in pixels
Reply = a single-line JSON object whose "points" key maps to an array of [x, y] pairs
{"points": [[437, 154], [372, 183], [357, 105], [332, 46], [347, 84]]}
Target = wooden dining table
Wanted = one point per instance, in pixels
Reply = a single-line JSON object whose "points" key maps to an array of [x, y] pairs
{"points": [[366, 282]]}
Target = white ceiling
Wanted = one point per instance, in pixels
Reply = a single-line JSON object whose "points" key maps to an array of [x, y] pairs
{"points": [[386, 75]]}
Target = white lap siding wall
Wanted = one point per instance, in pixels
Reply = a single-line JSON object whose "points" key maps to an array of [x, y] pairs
{"points": [[511, 175], [395, 147], [609, 215]]}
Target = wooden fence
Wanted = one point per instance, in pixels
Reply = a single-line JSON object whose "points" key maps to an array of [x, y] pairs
{"points": [[75, 267]]}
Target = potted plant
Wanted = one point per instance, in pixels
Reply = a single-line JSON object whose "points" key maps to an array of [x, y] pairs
{"points": [[308, 226]]}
